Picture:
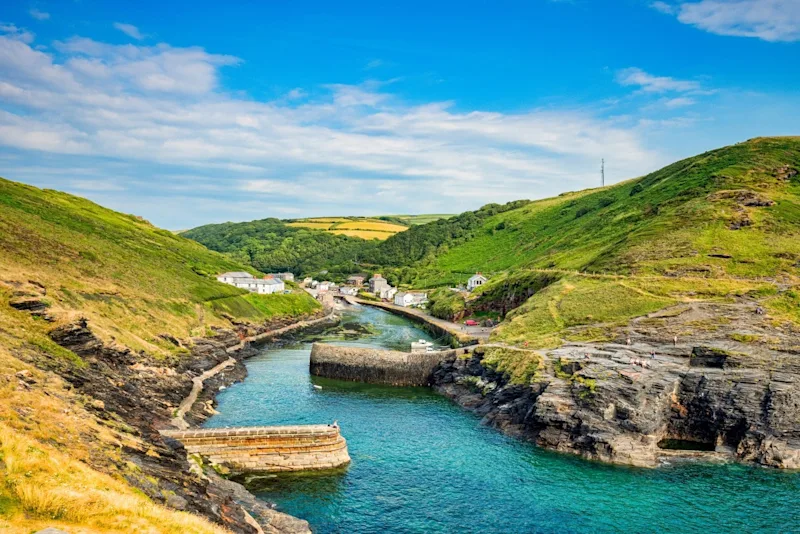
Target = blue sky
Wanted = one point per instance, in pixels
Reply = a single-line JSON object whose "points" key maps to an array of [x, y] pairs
{"points": [[187, 113]]}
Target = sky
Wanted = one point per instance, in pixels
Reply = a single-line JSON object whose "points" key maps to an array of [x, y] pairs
{"points": [[189, 113]]}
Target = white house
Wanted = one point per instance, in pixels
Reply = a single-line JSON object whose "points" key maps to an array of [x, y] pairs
{"points": [[262, 286], [348, 290], [268, 286], [322, 287], [477, 280], [403, 299], [232, 277], [410, 299], [387, 292]]}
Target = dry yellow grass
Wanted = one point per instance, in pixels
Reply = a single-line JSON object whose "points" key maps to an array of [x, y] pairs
{"points": [[46, 487], [364, 234], [379, 226], [46, 436]]}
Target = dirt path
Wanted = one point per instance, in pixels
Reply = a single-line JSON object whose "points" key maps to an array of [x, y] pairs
{"points": [[197, 386], [179, 420]]}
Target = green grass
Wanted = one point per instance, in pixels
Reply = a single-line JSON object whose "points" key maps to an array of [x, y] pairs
{"points": [[543, 320], [132, 280], [257, 307], [670, 226], [420, 219]]}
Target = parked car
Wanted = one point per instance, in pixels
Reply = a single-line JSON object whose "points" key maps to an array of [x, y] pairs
{"points": [[471, 322]]}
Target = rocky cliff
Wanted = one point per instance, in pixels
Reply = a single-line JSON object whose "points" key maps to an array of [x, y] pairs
{"points": [[137, 394], [615, 402]]}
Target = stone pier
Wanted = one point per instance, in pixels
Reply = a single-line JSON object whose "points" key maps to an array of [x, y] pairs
{"points": [[267, 448], [377, 366]]}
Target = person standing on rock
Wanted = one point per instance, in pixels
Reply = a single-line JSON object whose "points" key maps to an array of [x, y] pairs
{"points": [[628, 341]]}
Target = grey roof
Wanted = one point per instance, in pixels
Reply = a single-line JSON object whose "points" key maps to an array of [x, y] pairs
{"points": [[236, 274]]}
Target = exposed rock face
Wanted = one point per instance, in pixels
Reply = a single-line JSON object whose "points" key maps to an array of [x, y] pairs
{"points": [[138, 394], [604, 407]]}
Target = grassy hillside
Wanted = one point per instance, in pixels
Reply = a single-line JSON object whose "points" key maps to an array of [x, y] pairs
{"points": [[720, 226], [65, 461], [132, 280], [729, 212]]}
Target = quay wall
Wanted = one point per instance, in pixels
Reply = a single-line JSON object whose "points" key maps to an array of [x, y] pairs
{"points": [[268, 449], [377, 366]]}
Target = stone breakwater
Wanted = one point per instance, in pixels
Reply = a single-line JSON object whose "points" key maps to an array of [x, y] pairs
{"points": [[377, 366], [268, 449]]}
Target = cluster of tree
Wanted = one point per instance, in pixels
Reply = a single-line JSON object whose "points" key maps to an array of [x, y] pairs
{"points": [[270, 245]]}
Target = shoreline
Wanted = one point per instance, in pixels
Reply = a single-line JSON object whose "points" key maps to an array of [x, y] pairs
{"points": [[440, 326]]}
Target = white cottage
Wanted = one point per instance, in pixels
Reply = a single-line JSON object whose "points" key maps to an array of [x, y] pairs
{"points": [[262, 286], [232, 277], [403, 299], [477, 280]]}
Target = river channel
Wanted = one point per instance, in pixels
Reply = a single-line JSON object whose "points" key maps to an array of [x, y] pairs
{"points": [[422, 464]]}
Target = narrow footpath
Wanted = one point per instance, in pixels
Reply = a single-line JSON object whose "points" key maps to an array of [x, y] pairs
{"points": [[179, 420]]}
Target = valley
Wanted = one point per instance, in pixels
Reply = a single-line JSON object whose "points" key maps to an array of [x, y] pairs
{"points": [[645, 323]]}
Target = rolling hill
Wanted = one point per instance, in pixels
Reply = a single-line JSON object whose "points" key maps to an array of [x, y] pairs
{"points": [[97, 309], [723, 226]]}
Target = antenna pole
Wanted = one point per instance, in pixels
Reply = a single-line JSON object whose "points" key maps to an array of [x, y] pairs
{"points": [[603, 172]]}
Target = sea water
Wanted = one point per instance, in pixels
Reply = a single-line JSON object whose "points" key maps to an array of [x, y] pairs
{"points": [[420, 463]]}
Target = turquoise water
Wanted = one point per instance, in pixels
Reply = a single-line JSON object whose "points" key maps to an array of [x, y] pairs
{"points": [[422, 464]]}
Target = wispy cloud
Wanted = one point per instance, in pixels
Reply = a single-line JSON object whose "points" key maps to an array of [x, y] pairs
{"points": [[39, 14], [654, 84], [663, 7], [160, 114], [11, 31], [769, 20], [130, 30]]}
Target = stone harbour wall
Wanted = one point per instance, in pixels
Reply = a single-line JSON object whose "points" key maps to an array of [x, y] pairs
{"points": [[377, 366], [267, 448]]}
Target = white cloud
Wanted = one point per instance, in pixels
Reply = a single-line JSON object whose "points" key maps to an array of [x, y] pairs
{"points": [[770, 20], [11, 31], [130, 30], [296, 94], [663, 7], [39, 14], [679, 102], [159, 68], [159, 112], [654, 84]]}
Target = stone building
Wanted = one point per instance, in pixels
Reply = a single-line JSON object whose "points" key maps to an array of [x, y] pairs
{"points": [[377, 283]]}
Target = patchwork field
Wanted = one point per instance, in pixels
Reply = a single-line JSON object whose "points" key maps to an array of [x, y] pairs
{"points": [[363, 227]]}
